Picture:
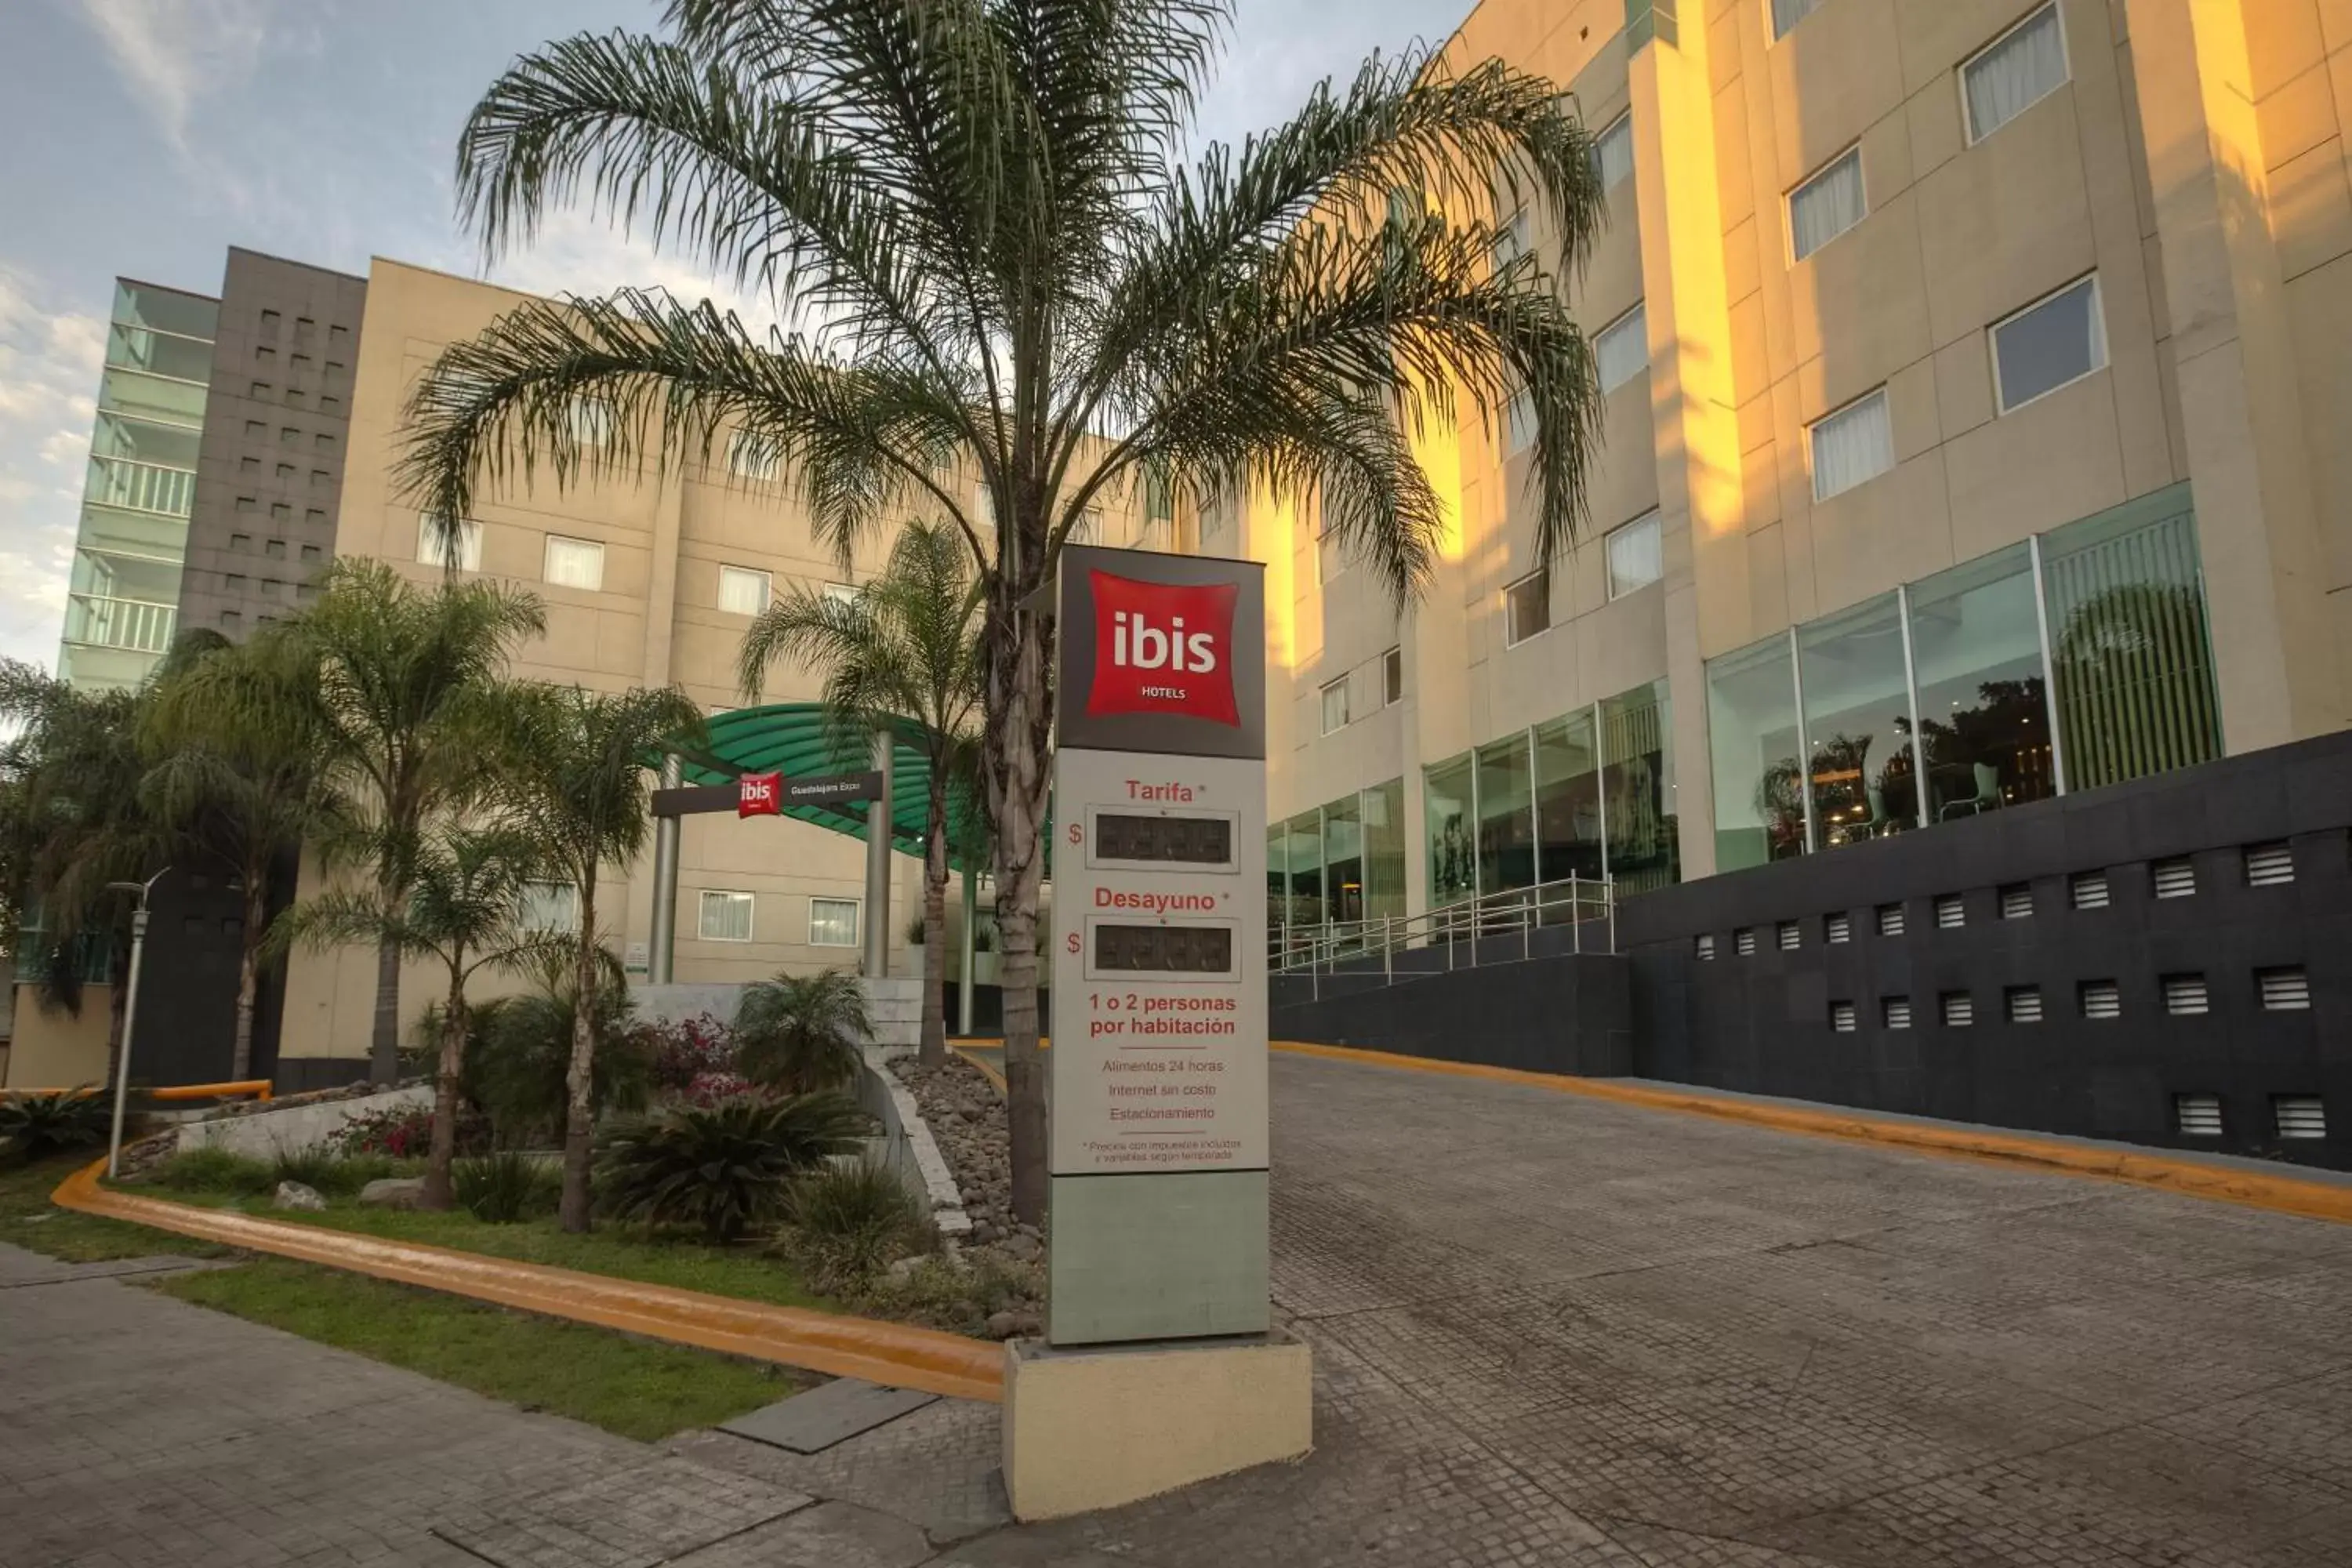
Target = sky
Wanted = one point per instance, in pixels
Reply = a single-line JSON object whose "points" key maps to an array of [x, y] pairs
{"points": [[146, 137]]}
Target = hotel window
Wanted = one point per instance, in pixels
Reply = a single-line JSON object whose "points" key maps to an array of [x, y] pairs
{"points": [[1787, 14], [1527, 608], [1392, 677], [726, 916], [1520, 423], [1621, 352], [1511, 238], [2051, 343], [548, 907], [832, 923], [1634, 556], [2014, 72], [590, 420], [751, 458], [840, 592], [1853, 445], [1330, 559], [1335, 706], [1612, 153], [574, 563], [1826, 206], [433, 546], [742, 590]]}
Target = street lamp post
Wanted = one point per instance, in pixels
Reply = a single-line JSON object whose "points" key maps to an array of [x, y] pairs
{"points": [[129, 1013]]}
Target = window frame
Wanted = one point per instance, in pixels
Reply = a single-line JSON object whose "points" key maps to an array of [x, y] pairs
{"points": [[767, 588], [469, 544], [1513, 422], [737, 897], [2002, 407], [590, 420], [1608, 561], [563, 893], [1512, 636], [1623, 123], [1617, 324], [1325, 693], [1392, 677], [856, 919], [763, 473], [1822, 171], [1813, 467], [547, 559], [1774, 32], [1969, 135]]}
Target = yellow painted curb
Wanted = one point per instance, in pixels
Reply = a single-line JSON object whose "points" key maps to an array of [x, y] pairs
{"points": [[890, 1353], [2191, 1178]]}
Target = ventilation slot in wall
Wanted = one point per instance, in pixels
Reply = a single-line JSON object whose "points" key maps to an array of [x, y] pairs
{"points": [[2091, 890], [2269, 864], [2299, 1115], [2198, 1115], [1895, 1012], [2283, 990], [1841, 1018], [2184, 995], [1743, 941], [1950, 912], [2101, 999], [1890, 919], [1838, 928], [2017, 901], [2175, 878], [1959, 1011], [1788, 936], [1704, 946], [2024, 1004]]}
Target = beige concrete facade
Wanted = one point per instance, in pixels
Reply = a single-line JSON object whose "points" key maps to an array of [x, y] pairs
{"points": [[655, 619], [2193, 160]]}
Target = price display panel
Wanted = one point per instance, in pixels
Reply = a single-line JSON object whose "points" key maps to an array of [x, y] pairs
{"points": [[1162, 949], [1143, 839]]}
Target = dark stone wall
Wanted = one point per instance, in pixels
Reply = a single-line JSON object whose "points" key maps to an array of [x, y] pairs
{"points": [[1564, 1013]]}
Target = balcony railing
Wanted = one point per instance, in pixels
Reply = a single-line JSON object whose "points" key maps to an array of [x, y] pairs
{"points": [[1412, 947], [142, 487], [138, 624]]}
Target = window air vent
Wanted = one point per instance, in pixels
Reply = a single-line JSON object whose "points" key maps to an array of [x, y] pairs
{"points": [[1950, 912], [2091, 890], [2024, 1004], [1788, 936], [1838, 928], [2198, 1115], [2017, 901], [2300, 1115], [2269, 864], [1743, 941], [1706, 946], [2175, 878], [2184, 995], [1841, 1018], [2101, 999], [2283, 990], [1895, 1011], [1890, 919], [1959, 1011]]}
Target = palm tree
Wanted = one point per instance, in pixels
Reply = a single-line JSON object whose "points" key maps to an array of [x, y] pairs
{"points": [[395, 680], [975, 212], [905, 647], [463, 910], [238, 771], [574, 778], [800, 1034]]}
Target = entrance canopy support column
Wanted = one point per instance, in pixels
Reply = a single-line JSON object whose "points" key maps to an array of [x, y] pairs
{"points": [[877, 964], [658, 962], [963, 974]]}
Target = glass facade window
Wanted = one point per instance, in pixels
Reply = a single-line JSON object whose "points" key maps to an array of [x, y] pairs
{"points": [[1449, 830], [1984, 716], [1643, 847], [1752, 711], [1332, 869], [1568, 796], [1507, 832], [1383, 828], [1343, 861], [1857, 723], [1303, 858]]}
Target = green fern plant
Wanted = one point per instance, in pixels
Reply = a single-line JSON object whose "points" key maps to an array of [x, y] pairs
{"points": [[801, 1034], [725, 1170], [504, 1187], [35, 1126]]}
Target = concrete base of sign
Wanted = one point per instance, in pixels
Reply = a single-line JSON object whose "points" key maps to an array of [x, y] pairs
{"points": [[1092, 1428]]}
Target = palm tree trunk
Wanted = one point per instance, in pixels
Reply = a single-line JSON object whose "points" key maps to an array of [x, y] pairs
{"points": [[248, 972], [384, 1046], [935, 922], [438, 1193], [1018, 739], [579, 1077]]}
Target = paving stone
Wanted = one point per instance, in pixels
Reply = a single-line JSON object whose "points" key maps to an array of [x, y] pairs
{"points": [[813, 1421], [938, 1467], [646, 1512], [830, 1535]]}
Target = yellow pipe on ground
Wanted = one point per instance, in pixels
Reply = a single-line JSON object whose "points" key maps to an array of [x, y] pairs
{"points": [[259, 1088], [890, 1353]]}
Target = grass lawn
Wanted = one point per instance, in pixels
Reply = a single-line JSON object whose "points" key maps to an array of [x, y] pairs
{"points": [[28, 1219], [614, 1250], [631, 1387]]}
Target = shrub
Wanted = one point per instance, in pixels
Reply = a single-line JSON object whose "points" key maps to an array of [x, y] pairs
{"points": [[405, 1133], [801, 1034], [686, 1051], [960, 1297], [522, 1049], [711, 1089], [854, 1220], [34, 1126], [724, 1169], [215, 1170], [504, 1187]]}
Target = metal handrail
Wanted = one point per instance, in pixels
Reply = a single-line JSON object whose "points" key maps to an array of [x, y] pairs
{"points": [[1457, 928]]}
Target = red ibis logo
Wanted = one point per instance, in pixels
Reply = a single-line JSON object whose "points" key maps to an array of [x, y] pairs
{"points": [[760, 795], [1162, 647]]}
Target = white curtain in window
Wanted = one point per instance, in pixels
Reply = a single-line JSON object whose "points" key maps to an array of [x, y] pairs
{"points": [[1521, 418], [741, 591], [726, 916], [751, 459], [1787, 14], [574, 562], [1511, 240], [1612, 153], [2015, 73], [1621, 352], [1827, 205], [1855, 444], [433, 551], [1635, 559], [832, 923]]}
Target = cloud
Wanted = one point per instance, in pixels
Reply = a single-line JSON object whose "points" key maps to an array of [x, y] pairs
{"points": [[174, 53], [577, 253], [49, 363]]}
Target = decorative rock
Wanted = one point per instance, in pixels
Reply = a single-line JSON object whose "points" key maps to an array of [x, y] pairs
{"points": [[899, 1273], [393, 1193], [983, 1233], [295, 1195], [1022, 1246], [1003, 1325]]}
